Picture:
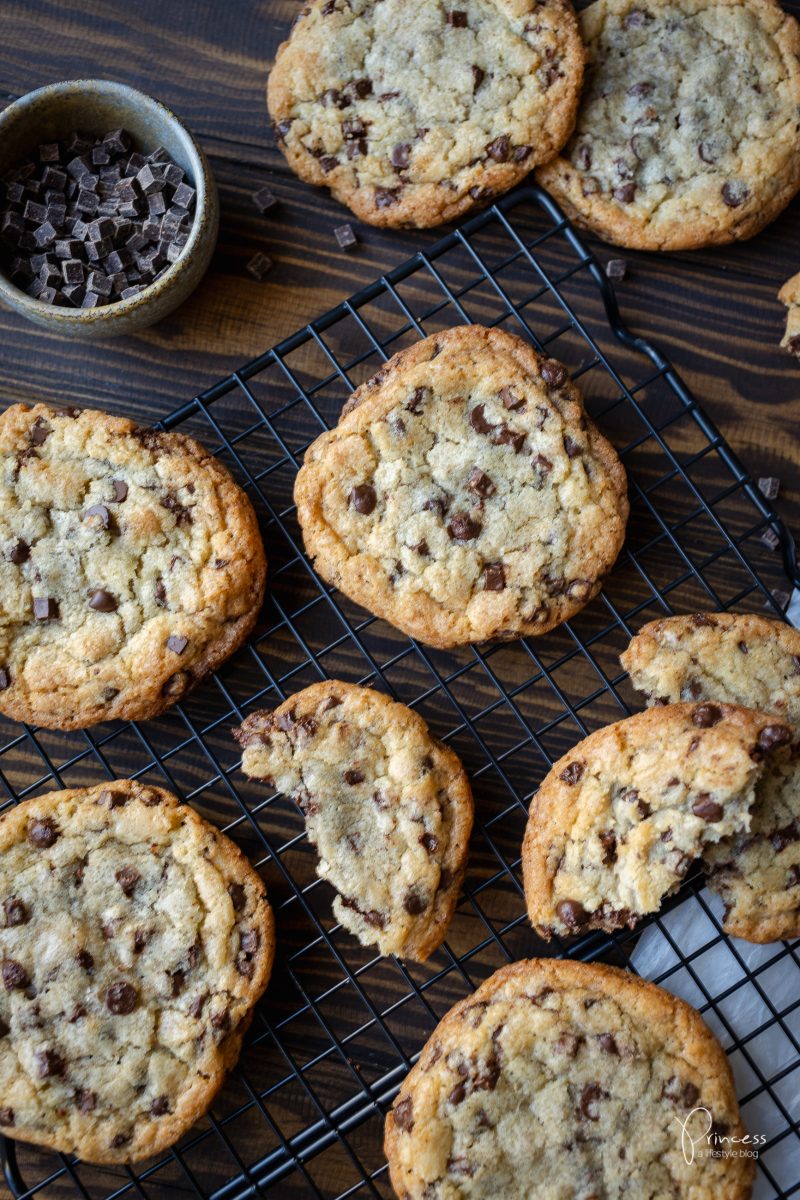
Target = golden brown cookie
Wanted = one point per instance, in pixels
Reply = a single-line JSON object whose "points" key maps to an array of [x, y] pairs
{"points": [[134, 941], [388, 807], [464, 494], [131, 566], [561, 1079], [412, 114], [688, 126]]}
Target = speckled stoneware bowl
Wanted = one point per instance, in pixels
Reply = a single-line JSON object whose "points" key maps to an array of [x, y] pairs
{"points": [[94, 106]]}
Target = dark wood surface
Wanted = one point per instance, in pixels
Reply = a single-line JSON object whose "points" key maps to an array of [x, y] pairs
{"points": [[714, 312]]}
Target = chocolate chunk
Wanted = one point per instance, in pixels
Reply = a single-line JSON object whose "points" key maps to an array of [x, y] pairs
{"points": [[120, 490], [554, 374], [259, 266], [403, 1114], [85, 1101], [463, 528], [504, 435], [500, 148], [573, 773], [121, 999], [159, 1106], [588, 1104], [414, 902], [626, 193], [457, 18], [772, 736], [572, 914], [706, 808], [16, 912], [510, 400], [19, 553], [769, 487], [101, 517], [102, 601], [616, 269], [385, 197], [480, 483], [127, 878], [568, 1044], [345, 237], [400, 155], [177, 644], [478, 421], [264, 200], [5, 679], [706, 715], [49, 1063], [238, 896], [734, 193], [680, 1091], [13, 974], [6, 1115], [478, 76], [363, 498], [608, 841], [42, 832], [572, 447], [608, 1043], [84, 959], [494, 577]]}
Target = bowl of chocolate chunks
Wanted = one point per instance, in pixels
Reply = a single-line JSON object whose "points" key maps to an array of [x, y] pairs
{"points": [[108, 209]]}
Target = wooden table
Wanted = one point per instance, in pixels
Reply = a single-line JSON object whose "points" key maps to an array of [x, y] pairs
{"points": [[714, 312]]}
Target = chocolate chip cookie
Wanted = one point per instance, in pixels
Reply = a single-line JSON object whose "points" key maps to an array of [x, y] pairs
{"points": [[750, 660], [464, 494], [619, 820], [131, 566], [790, 296], [413, 114], [568, 1080], [388, 807], [134, 941], [687, 130]]}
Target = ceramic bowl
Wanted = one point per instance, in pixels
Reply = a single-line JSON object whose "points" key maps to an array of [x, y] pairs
{"points": [[94, 106]]}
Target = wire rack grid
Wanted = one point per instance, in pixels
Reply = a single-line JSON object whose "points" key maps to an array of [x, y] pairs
{"points": [[339, 1028]]}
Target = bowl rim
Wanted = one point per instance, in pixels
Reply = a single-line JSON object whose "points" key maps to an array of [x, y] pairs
{"points": [[110, 312]]}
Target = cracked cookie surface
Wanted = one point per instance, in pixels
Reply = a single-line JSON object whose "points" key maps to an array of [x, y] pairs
{"points": [[131, 566], [464, 494], [413, 114], [687, 131], [388, 807], [618, 821], [134, 941], [750, 660], [566, 1081]]}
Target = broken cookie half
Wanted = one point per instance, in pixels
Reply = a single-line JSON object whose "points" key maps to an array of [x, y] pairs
{"points": [[388, 807], [619, 820]]}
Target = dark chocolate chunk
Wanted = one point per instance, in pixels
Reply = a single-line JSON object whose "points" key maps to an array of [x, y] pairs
{"points": [[363, 498], [102, 601], [403, 1114], [45, 609], [573, 773], [15, 912], [463, 527], [13, 974], [707, 809], [121, 999], [588, 1104], [772, 736], [127, 878], [259, 266], [19, 553], [500, 148], [414, 902], [345, 237], [706, 715], [553, 373], [457, 18], [177, 644], [769, 486], [353, 776], [42, 832], [572, 914], [6, 1115], [120, 490], [616, 268], [49, 1063], [480, 483], [734, 193], [494, 577]]}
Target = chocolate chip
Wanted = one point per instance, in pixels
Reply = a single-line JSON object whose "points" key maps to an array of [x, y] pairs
{"points": [[353, 776], [769, 487], [16, 912], [477, 419], [504, 435], [177, 644], [457, 18], [480, 483], [159, 1106], [49, 1063], [6, 1115], [400, 155], [494, 577], [14, 974], [42, 832], [414, 902], [19, 553], [371, 916], [554, 374], [706, 715], [706, 808], [573, 773], [626, 193], [588, 1104], [121, 999], [500, 148], [363, 498], [608, 1043], [772, 736], [463, 528], [608, 841], [386, 197], [541, 464], [734, 193], [101, 513], [120, 1139], [102, 601], [120, 490], [45, 609], [238, 896], [680, 1091], [572, 448], [572, 913], [403, 1114], [39, 433], [127, 878]]}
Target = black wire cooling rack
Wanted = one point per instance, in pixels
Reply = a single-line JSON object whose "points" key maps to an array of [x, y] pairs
{"points": [[338, 1029]]}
